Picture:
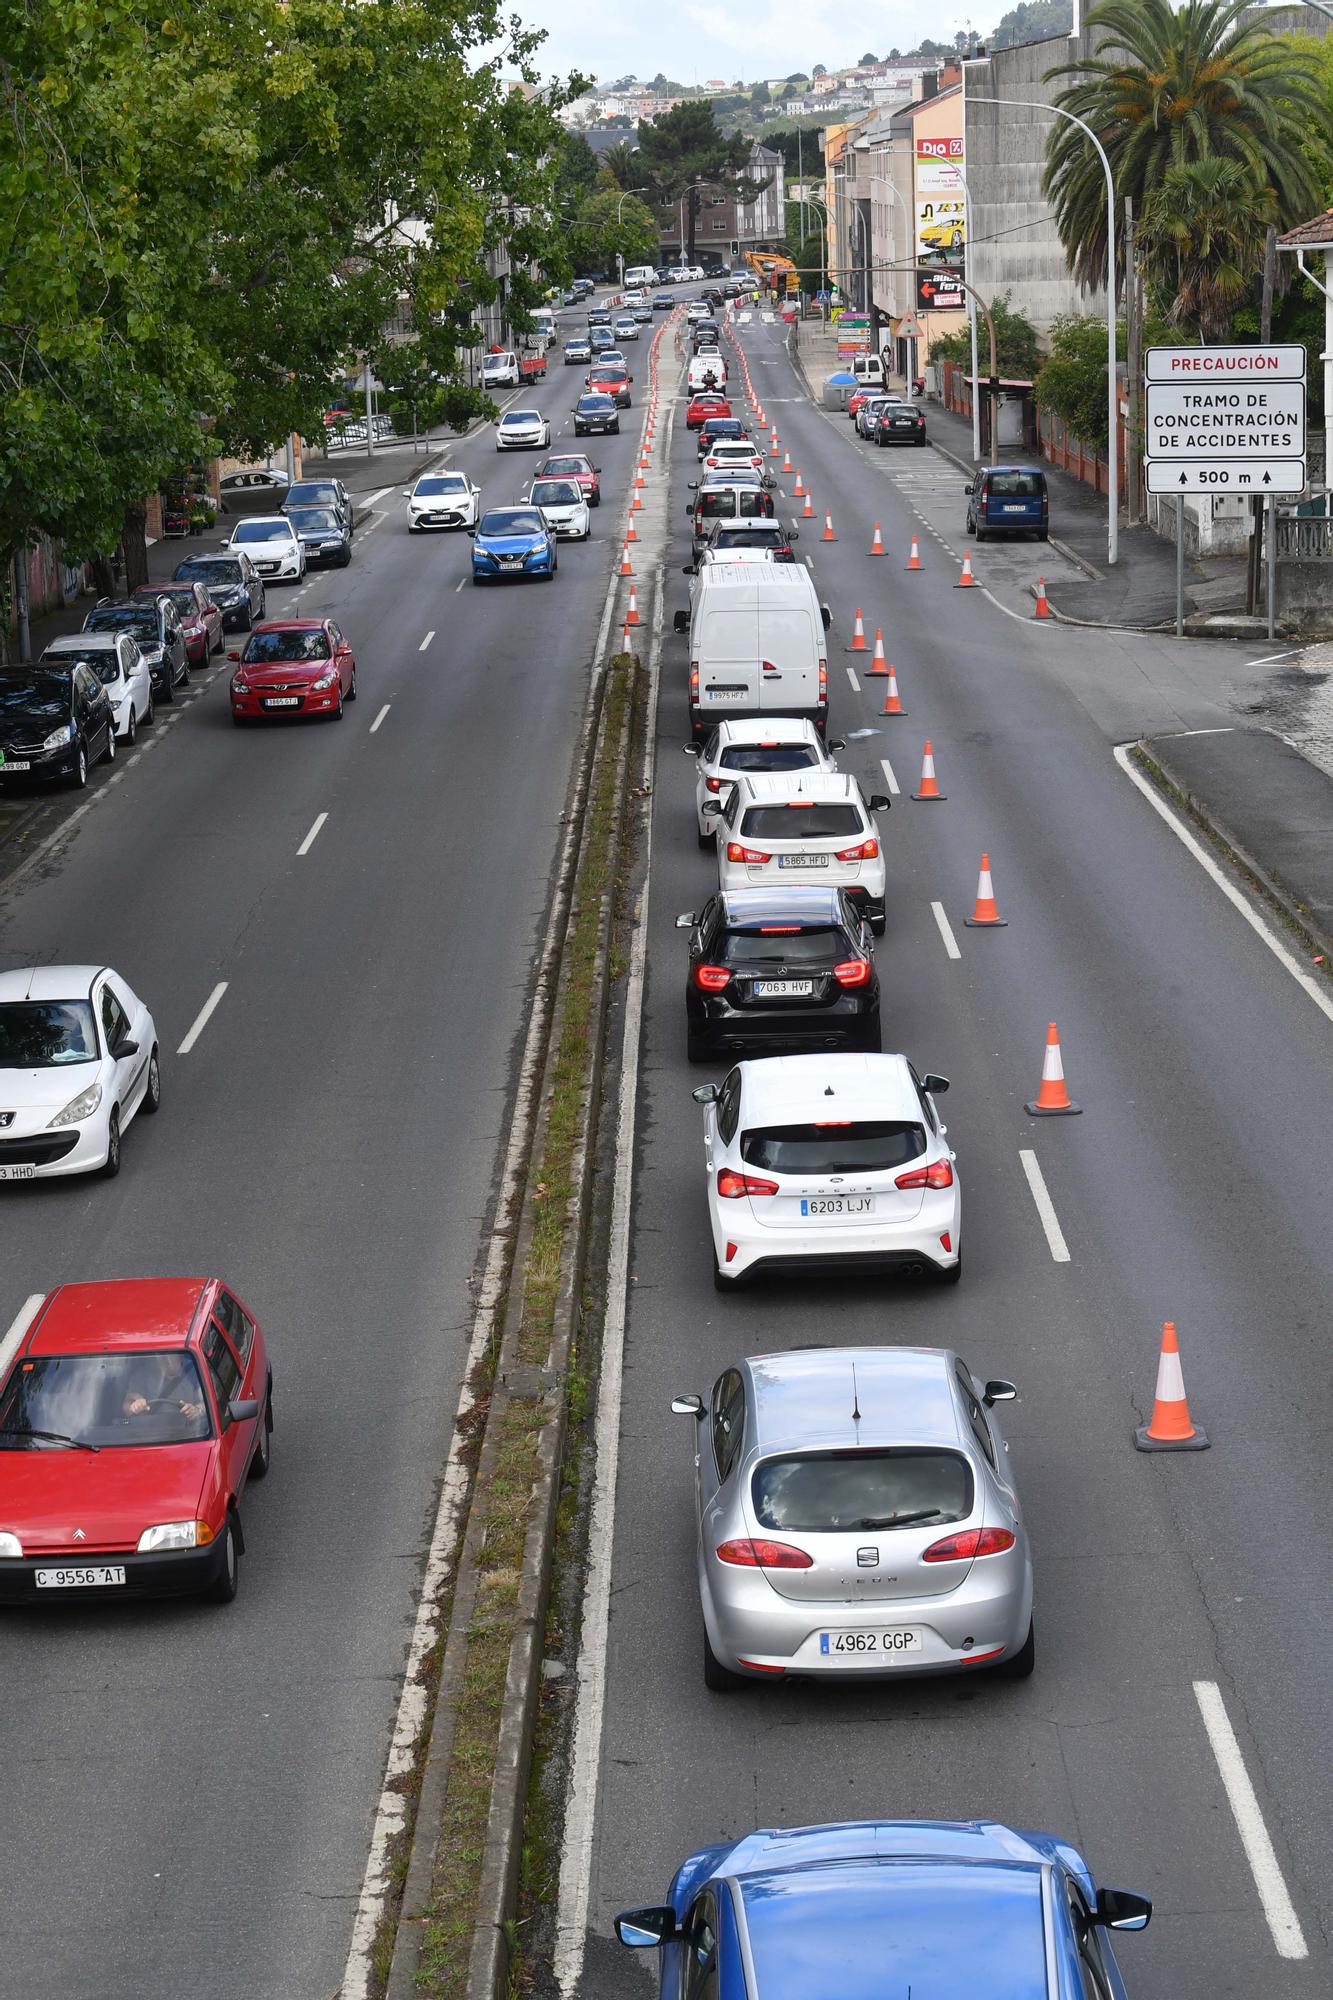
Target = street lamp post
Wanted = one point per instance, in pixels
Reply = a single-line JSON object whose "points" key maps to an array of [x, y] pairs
{"points": [[693, 188], [885, 181], [818, 203]]}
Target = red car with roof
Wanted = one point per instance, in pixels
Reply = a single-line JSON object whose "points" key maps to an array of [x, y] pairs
{"points": [[575, 465], [200, 619], [611, 378], [132, 1414], [292, 666], [708, 403]]}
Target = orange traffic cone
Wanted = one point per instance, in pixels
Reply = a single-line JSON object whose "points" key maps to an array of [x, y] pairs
{"points": [[892, 705], [626, 643], [798, 489], [636, 504], [879, 665], [966, 581], [786, 461], [807, 512], [914, 560], [877, 542], [985, 916], [858, 644], [633, 534], [1052, 1100], [929, 789], [773, 443], [633, 615], [1043, 609], [626, 566], [638, 477], [1171, 1428], [828, 534]]}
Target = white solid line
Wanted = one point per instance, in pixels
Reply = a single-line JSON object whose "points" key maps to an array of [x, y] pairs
{"points": [[946, 931], [18, 1328], [375, 498], [311, 837], [889, 779], [1036, 1180], [856, 685], [459, 585], [379, 718], [1283, 1922], [426, 641], [202, 1018], [1308, 985]]}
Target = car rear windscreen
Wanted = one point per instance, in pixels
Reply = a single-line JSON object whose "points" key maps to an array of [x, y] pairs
{"points": [[1017, 485], [828, 1491], [771, 756], [751, 950], [861, 1146], [818, 820]]}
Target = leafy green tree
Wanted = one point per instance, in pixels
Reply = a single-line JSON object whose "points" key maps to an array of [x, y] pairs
{"points": [[1168, 87], [866, 60], [1031, 21], [684, 148], [576, 167], [1016, 346], [597, 238], [804, 242], [1201, 240]]}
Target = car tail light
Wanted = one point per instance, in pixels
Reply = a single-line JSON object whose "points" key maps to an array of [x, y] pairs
{"points": [[823, 682], [867, 851], [939, 1174], [713, 784], [694, 680], [711, 978], [853, 972], [731, 1185], [969, 1542], [735, 852], [746, 1553], [779, 930]]}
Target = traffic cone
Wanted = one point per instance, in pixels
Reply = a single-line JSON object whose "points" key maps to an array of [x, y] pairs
{"points": [[626, 566], [879, 665], [773, 443], [828, 534], [633, 534], [638, 478], [966, 581], [914, 560], [929, 789], [1172, 1428], [633, 616], [807, 512], [892, 705], [877, 542], [636, 504], [786, 461], [1043, 609], [985, 916], [626, 643], [798, 489], [1052, 1100], [858, 644]]}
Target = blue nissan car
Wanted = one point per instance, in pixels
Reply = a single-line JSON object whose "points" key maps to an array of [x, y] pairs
{"points": [[950, 1910], [512, 541]]}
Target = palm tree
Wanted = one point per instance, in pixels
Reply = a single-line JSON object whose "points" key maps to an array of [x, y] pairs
{"points": [[1168, 88], [619, 163], [1201, 238]]}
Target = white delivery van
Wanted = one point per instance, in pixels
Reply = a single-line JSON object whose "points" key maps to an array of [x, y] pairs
{"points": [[707, 371], [543, 329], [757, 645], [868, 370], [639, 275], [500, 371]]}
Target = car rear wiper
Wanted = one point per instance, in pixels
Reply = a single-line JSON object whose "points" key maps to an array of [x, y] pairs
{"points": [[898, 1520], [51, 1437]]}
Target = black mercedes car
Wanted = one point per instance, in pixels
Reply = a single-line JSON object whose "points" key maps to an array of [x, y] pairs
{"points": [[779, 967]]}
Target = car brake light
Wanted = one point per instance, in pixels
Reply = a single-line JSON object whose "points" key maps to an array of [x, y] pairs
{"points": [[969, 1542], [713, 784], [867, 851], [694, 678], [731, 1185], [853, 972], [823, 682], [747, 1553], [939, 1174], [712, 978], [735, 852], [779, 930]]}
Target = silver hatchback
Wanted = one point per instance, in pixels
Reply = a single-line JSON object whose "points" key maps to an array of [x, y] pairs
{"points": [[857, 1516]]}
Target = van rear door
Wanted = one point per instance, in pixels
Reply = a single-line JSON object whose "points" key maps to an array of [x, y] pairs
{"points": [[727, 663], [1015, 499], [789, 660]]}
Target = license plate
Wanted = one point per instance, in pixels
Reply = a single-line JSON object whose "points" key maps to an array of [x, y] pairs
{"points": [[282, 701], [838, 1204], [1015, 510], [803, 860], [783, 989], [726, 694], [15, 764], [902, 1639], [510, 562], [19, 1173], [83, 1578], [268, 569]]}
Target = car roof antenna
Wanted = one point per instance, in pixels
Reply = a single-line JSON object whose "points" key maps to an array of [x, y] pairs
{"points": [[856, 1407]]}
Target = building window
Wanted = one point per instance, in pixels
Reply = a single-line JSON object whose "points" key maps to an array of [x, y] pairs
{"points": [[719, 225]]}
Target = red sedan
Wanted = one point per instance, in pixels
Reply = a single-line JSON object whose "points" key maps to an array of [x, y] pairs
{"points": [[575, 465], [200, 619], [703, 406], [132, 1414], [292, 666]]}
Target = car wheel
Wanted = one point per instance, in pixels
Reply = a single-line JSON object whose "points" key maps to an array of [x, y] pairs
{"points": [[109, 754], [132, 730], [717, 1678], [351, 692], [111, 1165], [263, 604], [151, 711], [79, 775], [1019, 1666], [877, 925], [707, 841], [263, 1456], [341, 709], [152, 1096], [980, 533], [696, 1048], [216, 647], [228, 1582], [953, 1272], [344, 559], [616, 429]]}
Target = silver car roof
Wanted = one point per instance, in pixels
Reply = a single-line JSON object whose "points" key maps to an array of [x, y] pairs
{"points": [[905, 1396]]}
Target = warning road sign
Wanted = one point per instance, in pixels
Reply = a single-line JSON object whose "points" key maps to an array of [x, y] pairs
{"points": [[1195, 475], [1225, 419]]}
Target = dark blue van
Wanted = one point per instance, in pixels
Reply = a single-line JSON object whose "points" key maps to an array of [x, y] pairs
{"points": [[1008, 497]]}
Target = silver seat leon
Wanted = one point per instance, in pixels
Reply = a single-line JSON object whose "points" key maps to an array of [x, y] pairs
{"points": [[857, 1516]]}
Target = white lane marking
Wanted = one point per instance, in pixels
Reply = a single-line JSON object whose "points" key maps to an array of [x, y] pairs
{"points": [[1036, 1181], [1269, 659], [1307, 983], [1288, 1938], [459, 585], [946, 931], [889, 779], [375, 498], [18, 1328], [856, 685], [379, 718], [202, 1018], [426, 641], [311, 837]]}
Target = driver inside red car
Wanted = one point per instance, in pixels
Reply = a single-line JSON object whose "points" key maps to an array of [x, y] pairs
{"points": [[164, 1382]]}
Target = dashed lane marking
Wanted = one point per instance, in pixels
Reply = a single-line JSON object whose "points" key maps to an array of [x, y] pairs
{"points": [[426, 641], [889, 779], [379, 718], [1036, 1181], [202, 1018], [946, 931], [311, 837], [856, 685]]}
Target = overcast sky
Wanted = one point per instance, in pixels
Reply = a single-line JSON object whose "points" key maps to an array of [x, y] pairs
{"points": [[692, 42]]}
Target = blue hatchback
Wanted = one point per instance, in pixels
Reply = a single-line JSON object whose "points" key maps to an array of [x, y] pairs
{"points": [[511, 542], [949, 1909]]}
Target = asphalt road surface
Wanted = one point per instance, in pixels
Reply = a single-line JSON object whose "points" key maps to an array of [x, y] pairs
{"points": [[189, 1791], [1194, 1187]]}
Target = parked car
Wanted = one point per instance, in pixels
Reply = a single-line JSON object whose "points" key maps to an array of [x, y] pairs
{"points": [[442, 500], [511, 542], [152, 623], [899, 423], [272, 544], [200, 618], [233, 583], [778, 968], [78, 1062], [55, 723], [241, 492], [119, 666], [323, 493], [293, 667], [324, 535], [1007, 498]]}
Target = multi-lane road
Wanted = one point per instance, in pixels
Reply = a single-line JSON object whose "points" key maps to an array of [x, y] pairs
{"points": [[1178, 1723], [190, 1791]]}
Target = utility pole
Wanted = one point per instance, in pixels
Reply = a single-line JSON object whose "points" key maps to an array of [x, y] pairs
{"points": [[1134, 367], [1255, 562]]}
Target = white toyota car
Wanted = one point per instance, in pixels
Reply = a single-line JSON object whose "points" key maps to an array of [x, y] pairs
{"points": [[78, 1062], [817, 829]]}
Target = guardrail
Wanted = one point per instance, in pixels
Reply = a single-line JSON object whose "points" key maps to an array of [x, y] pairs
{"points": [[1304, 538]]}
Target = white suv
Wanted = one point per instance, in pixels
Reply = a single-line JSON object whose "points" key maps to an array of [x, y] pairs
{"points": [[794, 828], [754, 744]]}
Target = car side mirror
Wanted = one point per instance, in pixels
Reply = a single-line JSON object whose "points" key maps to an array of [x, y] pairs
{"points": [[711, 808], [688, 569], [793, 534], [705, 1093], [1122, 1909], [880, 802], [690, 749], [825, 616], [936, 1085], [638, 1928], [691, 486], [124, 1047], [407, 493], [688, 1406], [233, 656], [681, 623], [998, 1392], [242, 1408], [969, 488], [685, 921], [836, 743], [470, 531]]}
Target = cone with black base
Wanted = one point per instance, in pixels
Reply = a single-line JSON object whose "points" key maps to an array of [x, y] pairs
{"points": [[1172, 1428], [1052, 1099]]}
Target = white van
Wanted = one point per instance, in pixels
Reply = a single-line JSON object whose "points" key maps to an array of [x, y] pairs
{"points": [[543, 329], [869, 371], [500, 371], [639, 275], [707, 371], [757, 645]]}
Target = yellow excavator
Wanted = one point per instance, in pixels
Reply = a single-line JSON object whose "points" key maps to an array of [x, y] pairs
{"points": [[772, 269]]}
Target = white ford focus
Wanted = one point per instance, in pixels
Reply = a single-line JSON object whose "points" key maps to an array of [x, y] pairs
{"points": [[78, 1061]]}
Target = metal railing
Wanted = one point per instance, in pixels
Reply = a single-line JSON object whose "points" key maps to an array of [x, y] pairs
{"points": [[1302, 538]]}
